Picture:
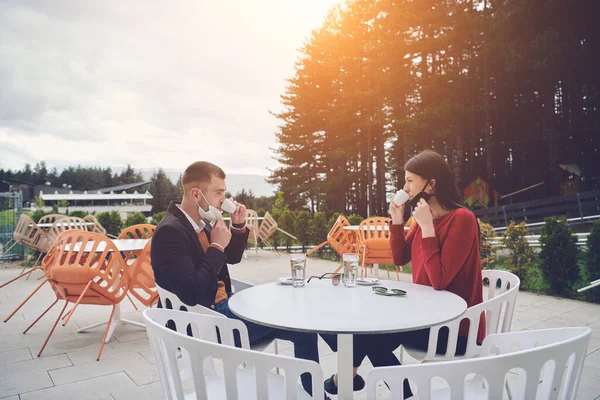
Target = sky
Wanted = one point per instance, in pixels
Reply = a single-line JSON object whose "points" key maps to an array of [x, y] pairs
{"points": [[147, 83]]}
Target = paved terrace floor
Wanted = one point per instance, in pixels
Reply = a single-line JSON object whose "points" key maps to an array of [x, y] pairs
{"points": [[68, 368]]}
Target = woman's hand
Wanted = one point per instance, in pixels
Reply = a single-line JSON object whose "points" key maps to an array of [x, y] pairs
{"points": [[397, 213], [424, 218]]}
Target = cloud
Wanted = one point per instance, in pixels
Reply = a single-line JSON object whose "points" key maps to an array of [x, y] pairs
{"points": [[147, 83]]}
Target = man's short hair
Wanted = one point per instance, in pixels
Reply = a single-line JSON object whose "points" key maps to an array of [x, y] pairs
{"points": [[201, 172]]}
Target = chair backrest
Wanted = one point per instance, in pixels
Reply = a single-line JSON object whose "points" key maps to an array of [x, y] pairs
{"points": [[143, 285], [139, 231], [170, 301], [497, 282], [252, 224], [339, 238], [97, 227], [50, 218], [548, 371], [61, 225], [373, 228], [257, 366], [498, 316], [83, 257], [29, 234], [267, 227]]}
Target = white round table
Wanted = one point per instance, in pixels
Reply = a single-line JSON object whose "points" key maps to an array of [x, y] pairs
{"points": [[321, 307], [356, 227], [122, 245]]}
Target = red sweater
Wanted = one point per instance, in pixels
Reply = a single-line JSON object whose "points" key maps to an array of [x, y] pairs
{"points": [[449, 261]]}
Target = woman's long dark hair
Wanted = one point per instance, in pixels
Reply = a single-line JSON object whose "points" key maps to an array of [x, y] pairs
{"points": [[430, 165]]}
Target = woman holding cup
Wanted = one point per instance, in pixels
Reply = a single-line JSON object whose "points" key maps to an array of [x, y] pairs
{"points": [[442, 247]]}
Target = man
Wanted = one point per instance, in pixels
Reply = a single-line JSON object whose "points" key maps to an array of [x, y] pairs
{"points": [[189, 257]]}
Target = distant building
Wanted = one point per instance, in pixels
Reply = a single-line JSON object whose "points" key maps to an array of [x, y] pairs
{"points": [[126, 199]]}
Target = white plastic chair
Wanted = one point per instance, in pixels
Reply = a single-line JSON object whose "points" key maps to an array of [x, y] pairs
{"points": [[498, 310], [247, 374], [551, 361], [171, 301]]}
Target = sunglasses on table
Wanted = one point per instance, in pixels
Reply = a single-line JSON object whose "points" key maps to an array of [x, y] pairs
{"points": [[335, 278], [388, 292]]}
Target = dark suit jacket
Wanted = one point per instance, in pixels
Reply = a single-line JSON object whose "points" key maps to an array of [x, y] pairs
{"points": [[183, 268]]}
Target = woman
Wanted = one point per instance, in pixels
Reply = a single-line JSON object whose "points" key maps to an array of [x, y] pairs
{"points": [[442, 246]]}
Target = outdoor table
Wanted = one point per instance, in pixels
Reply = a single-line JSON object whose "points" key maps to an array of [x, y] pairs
{"points": [[47, 225], [122, 245], [321, 307]]}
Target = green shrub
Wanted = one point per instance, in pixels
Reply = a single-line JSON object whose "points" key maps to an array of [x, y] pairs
{"points": [[559, 256], [78, 214], [286, 223], [111, 221], [355, 219], [135, 219], [317, 229], [156, 218], [520, 253], [38, 214], [301, 228], [486, 248]]}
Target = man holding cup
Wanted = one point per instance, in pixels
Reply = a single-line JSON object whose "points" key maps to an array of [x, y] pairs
{"points": [[190, 257]]}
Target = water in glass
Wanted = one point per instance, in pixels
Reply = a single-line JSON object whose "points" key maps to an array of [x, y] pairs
{"points": [[298, 265], [350, 261]]}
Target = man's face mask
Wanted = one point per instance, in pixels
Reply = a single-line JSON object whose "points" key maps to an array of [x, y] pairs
{"points": [[212, 214], [408, 211]]}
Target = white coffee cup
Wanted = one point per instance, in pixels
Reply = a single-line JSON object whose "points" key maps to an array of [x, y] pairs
{"points": [[228, 206], [401, 197]]}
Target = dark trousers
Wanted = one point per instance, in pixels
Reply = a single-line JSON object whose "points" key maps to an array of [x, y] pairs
{"points": [[305, 344]]}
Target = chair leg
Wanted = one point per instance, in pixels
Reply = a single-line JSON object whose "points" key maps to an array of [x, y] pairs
{"points": [[132, 303], [110, 320], [11, 246], [397, 274], [77, 303], [19, 276], [41, 315], [67, 314], [34, 265], [338, 268], [25, 301], [53, 328]]}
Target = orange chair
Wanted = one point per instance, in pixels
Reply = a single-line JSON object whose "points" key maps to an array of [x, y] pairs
{"points": [[139, 231], [339, 239], [27, 233], [88, 269], [373, 241], [143, 285], [61, 225], [267, 228]]}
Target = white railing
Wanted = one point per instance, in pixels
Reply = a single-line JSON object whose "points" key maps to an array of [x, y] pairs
{"points": [[534, 240]]}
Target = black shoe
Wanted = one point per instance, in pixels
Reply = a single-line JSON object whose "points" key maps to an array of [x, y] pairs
{"points": [[358, 383]]}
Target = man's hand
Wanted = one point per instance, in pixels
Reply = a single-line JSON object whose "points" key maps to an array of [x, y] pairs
{"points": [[220, 233], [239, 215]]}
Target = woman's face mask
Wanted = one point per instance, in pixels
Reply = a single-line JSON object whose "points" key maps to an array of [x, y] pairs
{"points": [[408, 211]]}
